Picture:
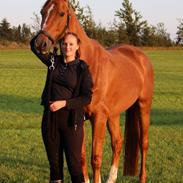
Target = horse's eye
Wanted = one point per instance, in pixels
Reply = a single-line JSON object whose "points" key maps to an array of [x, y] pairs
{"points": [[62, 14]]}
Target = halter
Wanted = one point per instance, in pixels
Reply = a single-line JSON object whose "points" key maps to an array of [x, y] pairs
{"points": [[64, 30]]}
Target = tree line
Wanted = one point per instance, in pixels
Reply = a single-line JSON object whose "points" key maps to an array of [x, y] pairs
{"points": [[20, 34], [128, 27]]}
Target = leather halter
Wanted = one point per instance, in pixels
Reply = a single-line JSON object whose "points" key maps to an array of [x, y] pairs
{"points": [[47, 34]]}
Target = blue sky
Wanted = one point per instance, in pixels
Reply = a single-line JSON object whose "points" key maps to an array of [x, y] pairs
{"points": [[166, 11]]}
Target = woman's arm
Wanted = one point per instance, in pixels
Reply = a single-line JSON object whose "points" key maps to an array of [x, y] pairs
{"points": [[85, 95], [44, 58]]}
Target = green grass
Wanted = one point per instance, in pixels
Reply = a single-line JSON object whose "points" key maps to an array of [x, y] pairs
{"points": [[22, 154], [168, 92]]}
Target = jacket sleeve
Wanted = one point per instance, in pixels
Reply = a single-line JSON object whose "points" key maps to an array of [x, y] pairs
{"points": [[85, 93], [45, 58]]}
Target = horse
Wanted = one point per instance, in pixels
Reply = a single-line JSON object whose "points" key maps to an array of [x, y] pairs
{"points": [[122, 81]]}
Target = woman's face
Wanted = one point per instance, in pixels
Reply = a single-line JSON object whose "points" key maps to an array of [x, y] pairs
{"points": [[70, 46]]}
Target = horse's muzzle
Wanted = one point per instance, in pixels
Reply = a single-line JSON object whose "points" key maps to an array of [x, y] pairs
{"points": [[43, 44]]}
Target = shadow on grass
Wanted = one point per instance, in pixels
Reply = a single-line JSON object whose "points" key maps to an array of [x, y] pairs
{"points": [[162, 117], [13, 103], [166, 117]]}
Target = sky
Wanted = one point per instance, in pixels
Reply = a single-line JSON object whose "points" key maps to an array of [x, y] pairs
{"points": [[154, 11]]}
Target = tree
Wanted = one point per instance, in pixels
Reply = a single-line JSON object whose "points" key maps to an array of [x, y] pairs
{"points": [[86, 19], [5, 30], [25, 33], [94, 31], [107, 37], [75, 4], [121, 33], [130, 22], [179, 39], [16, 31], [36, 23], [162, 36], [148, 35]]}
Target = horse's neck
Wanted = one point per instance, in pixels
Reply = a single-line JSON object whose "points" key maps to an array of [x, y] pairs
{"points": [[91, 51], [75, 27], [88, 46]]}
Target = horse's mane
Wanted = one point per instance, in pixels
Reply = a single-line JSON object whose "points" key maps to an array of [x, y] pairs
{"points": [[45, 4]]}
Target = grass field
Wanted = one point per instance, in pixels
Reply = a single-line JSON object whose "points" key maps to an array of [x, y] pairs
{"points": [[22, 155]]}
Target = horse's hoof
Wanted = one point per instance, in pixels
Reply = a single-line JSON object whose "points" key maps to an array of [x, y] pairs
{"points": [[87, 181], [109, 180], [142, 180]]}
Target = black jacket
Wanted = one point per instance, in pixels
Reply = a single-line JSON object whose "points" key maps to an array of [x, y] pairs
{"points": [[82, 93]]}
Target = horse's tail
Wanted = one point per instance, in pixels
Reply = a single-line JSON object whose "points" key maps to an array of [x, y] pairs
{"points": [[131, 140]]}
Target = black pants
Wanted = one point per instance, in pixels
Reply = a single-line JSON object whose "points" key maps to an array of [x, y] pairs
{"points": [[59, 136]]}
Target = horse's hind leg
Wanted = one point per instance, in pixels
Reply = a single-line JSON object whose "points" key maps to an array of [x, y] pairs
{"points": [[144, 102], [116, 142], [144, 125]]}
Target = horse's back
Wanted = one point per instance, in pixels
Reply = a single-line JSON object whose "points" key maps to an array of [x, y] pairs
{"points": [[132, 56], [129, 52]]}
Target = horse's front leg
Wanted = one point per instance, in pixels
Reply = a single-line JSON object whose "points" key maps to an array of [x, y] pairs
{"points": [[116, 142], [98, 134]]}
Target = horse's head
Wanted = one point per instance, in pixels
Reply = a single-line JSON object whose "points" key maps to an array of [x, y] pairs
{"points": [[55, 21]]}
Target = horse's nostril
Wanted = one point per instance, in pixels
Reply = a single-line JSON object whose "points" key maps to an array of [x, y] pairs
{"points": [[44, 45]]}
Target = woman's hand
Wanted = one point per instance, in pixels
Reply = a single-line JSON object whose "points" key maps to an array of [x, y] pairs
{"points": [[56, 105]]}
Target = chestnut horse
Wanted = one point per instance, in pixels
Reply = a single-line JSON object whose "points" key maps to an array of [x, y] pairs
{"points": [[123, 81]]}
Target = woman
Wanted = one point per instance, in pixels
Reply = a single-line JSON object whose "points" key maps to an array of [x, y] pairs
{"points": [[67, 90]]}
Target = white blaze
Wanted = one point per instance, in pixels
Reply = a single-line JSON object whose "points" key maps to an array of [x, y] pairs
{"points": [[48, 14]]}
